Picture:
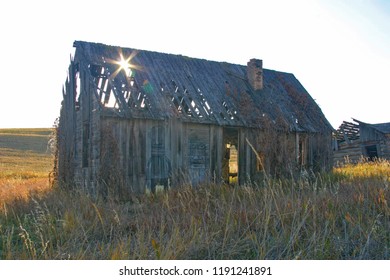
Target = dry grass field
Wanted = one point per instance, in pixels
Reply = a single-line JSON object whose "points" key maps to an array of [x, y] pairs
{"points": [[25, 162], [343, 214]]}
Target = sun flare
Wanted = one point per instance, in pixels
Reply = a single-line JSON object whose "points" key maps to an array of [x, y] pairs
{"points": [[125, 64]]}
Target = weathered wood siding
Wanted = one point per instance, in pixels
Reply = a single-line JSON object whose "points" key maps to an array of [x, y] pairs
{"points": [[370, 136], [87, 136], [385, 146], [348, 152], [147, 153], [141, 154], [132, 155]]}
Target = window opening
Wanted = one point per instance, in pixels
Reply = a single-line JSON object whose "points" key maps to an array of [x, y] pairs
{"points": [[371, 152], [77, 90]]}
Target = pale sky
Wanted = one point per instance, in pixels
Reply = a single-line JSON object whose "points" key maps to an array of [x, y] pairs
{"points": [[338, 49]]}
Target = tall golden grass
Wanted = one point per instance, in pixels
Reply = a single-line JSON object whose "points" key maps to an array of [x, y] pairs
{"points": [[339, 215], [365, 169], [25, 162]]}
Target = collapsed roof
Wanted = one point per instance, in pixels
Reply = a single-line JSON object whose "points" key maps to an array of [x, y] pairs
{"points": [[134, 83], [350, 131]]}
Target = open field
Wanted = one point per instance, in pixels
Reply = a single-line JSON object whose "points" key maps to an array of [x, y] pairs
{"points": [[25, 161], [340, 215], [24, 152]]}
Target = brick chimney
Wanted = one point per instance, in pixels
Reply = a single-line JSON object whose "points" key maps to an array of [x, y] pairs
{"points": [[254, 73]]}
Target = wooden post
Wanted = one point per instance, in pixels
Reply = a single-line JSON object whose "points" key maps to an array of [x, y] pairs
{"points": [[297, 147]]}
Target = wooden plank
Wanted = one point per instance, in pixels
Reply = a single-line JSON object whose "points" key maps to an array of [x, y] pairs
{"points": [[241, 157], [248, 153], [220, 152], [213, 152]]}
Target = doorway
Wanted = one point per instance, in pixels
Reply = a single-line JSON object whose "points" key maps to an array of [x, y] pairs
{"points": [[231, 156], [372, 152], [158, 166]]}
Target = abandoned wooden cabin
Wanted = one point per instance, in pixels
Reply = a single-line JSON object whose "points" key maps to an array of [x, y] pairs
{"points": [[134, 120], [358, 140]]}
